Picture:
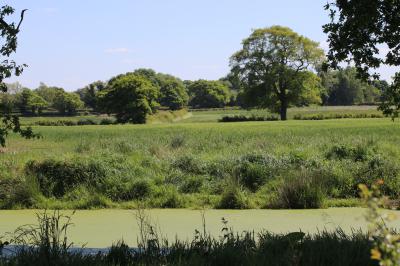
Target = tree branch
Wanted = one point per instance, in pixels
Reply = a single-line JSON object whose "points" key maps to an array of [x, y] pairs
{"points": [[11, 29], [22, 19]]}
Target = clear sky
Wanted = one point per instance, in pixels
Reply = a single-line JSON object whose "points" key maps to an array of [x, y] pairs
{"points": [[71, 43]]}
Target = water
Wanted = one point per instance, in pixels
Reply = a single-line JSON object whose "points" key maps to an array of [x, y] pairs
{"points": [[101, 228]]}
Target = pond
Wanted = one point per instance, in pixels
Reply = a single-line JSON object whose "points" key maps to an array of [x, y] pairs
{"points": [[101, 228]]}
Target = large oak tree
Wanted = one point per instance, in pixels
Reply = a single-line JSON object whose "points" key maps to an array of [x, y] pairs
{"points": [[274, 66]]}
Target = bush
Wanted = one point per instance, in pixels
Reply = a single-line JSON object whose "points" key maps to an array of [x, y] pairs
{"points": [[300, 190], [379, 167], [97, 200], [55, 123], [191, 185], [16, 192], [358, 153], [55, 178], [335, 116], [254, 170], [188, 164], [107, 121], [167, 197], [140, 190], [252, 175], [242, 118], [232, 198], [86, 121]]}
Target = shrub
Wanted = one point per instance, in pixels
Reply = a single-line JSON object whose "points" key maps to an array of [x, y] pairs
{"points": [[335, 116], [191, 185], [55, 178], [188, 164], [86, 121], [107, 121], [167, 197], [232, 198], [79, 193], [97, 200], [140, 190], [254, 170], [55, 123], [358, 153], [242, 118], [252, 175], [379, 167], [16, 192], [300, 190]]}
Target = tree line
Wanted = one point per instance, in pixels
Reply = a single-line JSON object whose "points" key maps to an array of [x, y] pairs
{"points": [[151, 91], [276, 69]]}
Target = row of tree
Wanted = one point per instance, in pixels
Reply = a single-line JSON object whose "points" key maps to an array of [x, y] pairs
{"points": [[339, 87], [143, 87], [34, 102], [275, 69]]}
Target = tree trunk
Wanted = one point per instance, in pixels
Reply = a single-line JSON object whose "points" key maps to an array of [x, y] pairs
{"points": [[283, 111]]}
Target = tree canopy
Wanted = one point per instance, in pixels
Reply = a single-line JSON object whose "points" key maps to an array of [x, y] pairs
{"points": [[173, 93], [130, 97], [88, 94], [48, 93], [208, 94], [67, 103], [29, 102], [274, 66], [8, 67], [343, 87], [368, 34]]}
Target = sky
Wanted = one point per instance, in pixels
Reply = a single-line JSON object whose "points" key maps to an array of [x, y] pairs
{"points": [[71, 43]]}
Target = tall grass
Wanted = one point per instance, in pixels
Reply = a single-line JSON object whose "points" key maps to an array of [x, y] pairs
{"points": [[188, 164]]}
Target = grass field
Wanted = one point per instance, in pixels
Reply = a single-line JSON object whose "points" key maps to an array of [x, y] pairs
{"points": [[291, 164], [203, 116], [215, 115]]}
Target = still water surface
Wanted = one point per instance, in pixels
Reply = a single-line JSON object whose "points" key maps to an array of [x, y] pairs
{"points": [[101, 228]]}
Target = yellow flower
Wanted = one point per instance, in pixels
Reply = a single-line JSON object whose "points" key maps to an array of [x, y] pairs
{"points": [[375, 254]]}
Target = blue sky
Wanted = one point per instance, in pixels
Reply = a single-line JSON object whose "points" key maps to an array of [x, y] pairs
{"points": [[70, 43]]}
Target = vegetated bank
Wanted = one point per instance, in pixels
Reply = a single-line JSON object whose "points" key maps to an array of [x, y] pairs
{"points": [[293, 164], [48, 243]]}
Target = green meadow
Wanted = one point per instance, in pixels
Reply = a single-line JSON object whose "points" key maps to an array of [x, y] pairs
{"points": [[276, 164]]}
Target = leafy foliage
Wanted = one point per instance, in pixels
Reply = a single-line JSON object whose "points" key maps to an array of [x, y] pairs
{"points": [[67, 102], [343, 87], [49, 94], [30, 102], [9, 32], [172, 92], [391, 99], [88, 94], [357, 31], [56, 178], [274, 65], [386, 241], [208, 94], [130, 97]]}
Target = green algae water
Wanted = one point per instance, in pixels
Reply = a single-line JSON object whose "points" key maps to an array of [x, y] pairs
{"points": [[101, 228]]}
